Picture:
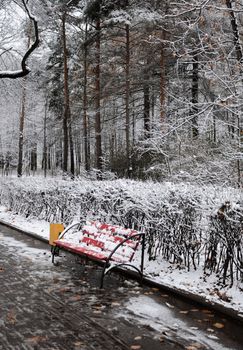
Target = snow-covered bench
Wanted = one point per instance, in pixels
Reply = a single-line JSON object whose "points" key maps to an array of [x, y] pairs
{"points": [[112, 245]]}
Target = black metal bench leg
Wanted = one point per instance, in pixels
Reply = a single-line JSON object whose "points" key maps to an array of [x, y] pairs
{"points": [[54, 252], [53, 256], [103, 274]]}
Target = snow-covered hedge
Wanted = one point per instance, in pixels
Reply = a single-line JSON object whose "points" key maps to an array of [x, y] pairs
{"points": [[186, 225]]}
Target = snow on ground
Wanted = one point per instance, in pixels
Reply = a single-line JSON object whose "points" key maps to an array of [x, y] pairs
{"points": [[162, 318], [159, 271]]}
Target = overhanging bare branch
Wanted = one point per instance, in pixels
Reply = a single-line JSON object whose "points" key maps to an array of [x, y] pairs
{"points": [[24, 68]]}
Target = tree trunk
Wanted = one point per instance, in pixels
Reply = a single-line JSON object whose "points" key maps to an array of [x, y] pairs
{"points": [[44, 159], [195, 91], [21, 131], [235, 30], [22, 121], [239, 56], [162, 85], [127, 100], [85, 105], [146, 108], [72, 162], [66, 114], [33, 159], [97, 102]]}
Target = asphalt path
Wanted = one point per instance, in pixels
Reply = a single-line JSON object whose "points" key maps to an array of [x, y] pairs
{"points": [[43, 306]]}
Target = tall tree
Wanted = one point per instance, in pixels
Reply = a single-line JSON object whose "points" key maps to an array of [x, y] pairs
{"points": [[67, 124], [21, 130], [127, 99], [85, 103], [94, 13]]}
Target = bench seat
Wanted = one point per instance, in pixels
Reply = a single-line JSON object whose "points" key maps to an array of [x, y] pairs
{"points": [[102, 242]]}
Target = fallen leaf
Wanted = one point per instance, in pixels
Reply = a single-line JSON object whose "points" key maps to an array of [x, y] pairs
{"points": [[36, 339], [98, 306], [1, 269], [194, 310], [135, 347], [206, 311], [138, 337], [115, 303], [75, 298], [11, 317], [97, 312], [78, 343], [184, 312], [194, 346], [218, 325], [65, 290]]}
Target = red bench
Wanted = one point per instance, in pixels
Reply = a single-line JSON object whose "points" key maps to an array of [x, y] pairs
{"points": [[110, 244]]}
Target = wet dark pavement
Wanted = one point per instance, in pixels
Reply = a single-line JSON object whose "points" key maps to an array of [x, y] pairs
{"points": [[61, 307]]}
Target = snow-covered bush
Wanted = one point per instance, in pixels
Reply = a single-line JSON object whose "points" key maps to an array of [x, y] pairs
{"points": [[183, 223], [224, 248]]}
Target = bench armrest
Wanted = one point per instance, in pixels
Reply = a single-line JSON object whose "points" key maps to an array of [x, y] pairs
{"points": [[78, 224]]}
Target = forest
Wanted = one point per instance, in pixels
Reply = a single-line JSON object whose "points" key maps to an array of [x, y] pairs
{"points": [[135, 89]]}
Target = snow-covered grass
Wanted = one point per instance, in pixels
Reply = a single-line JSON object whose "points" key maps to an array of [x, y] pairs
{"points": [[191, 244]]}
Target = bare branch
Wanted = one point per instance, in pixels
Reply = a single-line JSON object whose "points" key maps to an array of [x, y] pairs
{"points": [[24, 68]]}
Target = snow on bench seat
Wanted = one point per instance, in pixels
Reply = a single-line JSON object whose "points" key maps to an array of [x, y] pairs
{"points": [[81, 250], [99, 240]]}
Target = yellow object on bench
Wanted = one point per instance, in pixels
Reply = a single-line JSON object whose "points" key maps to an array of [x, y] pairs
{"points": [[55, 230]]}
